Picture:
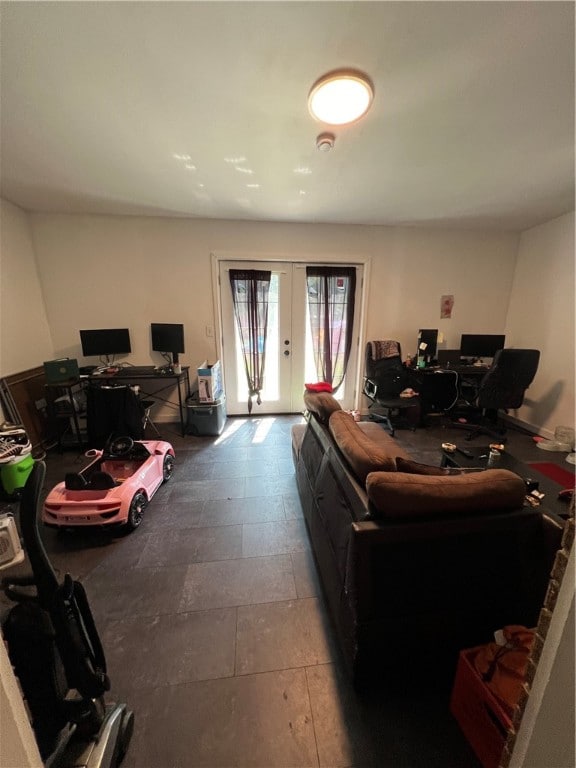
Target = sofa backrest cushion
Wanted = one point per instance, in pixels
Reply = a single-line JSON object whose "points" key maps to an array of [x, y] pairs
{"points": [[321, 404], [399, 494], [362, 454]]}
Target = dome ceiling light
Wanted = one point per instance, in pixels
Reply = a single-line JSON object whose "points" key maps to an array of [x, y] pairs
{"points": [[341, 97]]}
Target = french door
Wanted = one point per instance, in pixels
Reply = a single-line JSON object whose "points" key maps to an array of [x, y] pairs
{"points": [[289, 351]]}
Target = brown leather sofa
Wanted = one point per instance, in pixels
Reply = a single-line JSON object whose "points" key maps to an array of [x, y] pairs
{"points": [[414, 566]]}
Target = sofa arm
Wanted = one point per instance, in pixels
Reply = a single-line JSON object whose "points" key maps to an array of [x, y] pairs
{"points": [[321, 404]]}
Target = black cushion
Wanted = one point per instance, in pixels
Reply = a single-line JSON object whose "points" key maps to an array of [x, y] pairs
{"points": [[74, 481], [101, 481]]}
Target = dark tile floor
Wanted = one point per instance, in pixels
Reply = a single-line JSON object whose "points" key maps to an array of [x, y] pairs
{"points": [[214, 625]]}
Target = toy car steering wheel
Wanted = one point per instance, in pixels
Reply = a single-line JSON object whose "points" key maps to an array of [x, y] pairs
{"points": [[121, 446]]}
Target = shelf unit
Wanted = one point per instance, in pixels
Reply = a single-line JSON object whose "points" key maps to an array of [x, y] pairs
{"points": [[66, 405]]}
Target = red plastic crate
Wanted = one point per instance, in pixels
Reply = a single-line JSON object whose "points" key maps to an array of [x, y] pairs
{"points": [[480, 716]]}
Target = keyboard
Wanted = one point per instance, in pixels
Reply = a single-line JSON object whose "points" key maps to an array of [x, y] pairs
{"points": [[134, 370]]}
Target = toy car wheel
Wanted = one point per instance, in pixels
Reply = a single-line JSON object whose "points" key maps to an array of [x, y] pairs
{"points": [[168, 467], [136, 511]]}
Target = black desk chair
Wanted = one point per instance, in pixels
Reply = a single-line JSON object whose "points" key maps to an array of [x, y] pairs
{"points": [[385, 378], [503, 387], [113, 411]]}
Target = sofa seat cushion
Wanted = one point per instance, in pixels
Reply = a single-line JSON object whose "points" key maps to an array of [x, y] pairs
{"points": [[382, 438], [321, 404], [416, 468], [362, 454], [399, 494]]}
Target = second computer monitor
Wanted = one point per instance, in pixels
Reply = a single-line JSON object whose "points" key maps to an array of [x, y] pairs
{"points": [[479, 345], [168, 338]]}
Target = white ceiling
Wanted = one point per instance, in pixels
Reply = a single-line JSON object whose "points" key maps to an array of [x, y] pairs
{"points": [[472, 123]]}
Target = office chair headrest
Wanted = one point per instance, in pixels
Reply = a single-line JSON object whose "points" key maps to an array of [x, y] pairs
{"points": [[383, 349]]}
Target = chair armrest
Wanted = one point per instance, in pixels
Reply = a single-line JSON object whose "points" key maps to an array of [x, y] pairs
{"points": [[370, 388]]}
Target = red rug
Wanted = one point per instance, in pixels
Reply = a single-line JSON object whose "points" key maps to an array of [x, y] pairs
{"points": [[563, 477]]}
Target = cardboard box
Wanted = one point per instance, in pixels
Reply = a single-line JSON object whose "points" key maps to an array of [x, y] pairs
{"points": [[481, 717], [209, 382]]}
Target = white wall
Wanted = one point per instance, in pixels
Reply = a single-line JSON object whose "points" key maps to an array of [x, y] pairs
{"points": [[18, 748], [413, 268], [103, 271], [541, 316], [24, 343], [99, 271], [546, 734], [25, 340]]}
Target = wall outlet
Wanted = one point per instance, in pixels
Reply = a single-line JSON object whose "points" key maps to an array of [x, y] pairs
{"points": [[210, 331]]}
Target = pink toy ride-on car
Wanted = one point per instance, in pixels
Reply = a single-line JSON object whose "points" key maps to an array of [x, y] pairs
{"points": [[114, 489]]}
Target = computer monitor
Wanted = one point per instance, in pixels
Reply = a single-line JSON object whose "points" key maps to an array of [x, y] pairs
{"points": [[105, 342], [427, 345], [478, 345], [168, 338]]}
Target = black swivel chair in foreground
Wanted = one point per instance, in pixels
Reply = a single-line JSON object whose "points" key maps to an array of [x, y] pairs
{"points": [[56, 652], [502, 388], [385, 378]]}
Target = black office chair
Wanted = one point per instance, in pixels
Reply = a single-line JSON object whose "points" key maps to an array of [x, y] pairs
{"points": [[503, 387], [385, 378], [113, 411]]}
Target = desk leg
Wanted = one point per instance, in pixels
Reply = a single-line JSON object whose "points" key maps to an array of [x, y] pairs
{"points": [[184, 379], [77, 426]]}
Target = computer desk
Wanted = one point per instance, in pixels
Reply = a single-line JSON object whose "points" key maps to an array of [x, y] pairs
{"points": [[441, 389], [180, 380]]}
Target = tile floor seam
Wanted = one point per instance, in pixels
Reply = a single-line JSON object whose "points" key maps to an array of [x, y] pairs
{"points": [[205, 562], [199, 610], [236, 644], [235, 605], [312, 716]]}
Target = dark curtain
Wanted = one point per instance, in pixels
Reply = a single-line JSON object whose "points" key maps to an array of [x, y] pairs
{"points": [[250, 289], [331, 292]]}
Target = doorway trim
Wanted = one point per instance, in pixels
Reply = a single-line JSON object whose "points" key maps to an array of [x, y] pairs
{"points": [[301, 258]]}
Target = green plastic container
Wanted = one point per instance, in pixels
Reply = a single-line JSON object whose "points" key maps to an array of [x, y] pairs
{"points": [[14, 475]]}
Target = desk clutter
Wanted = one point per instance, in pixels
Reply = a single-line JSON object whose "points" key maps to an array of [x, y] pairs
{"points": [[86, 409], [472, 384], [93, 402], [475, 350], [137, 371]]}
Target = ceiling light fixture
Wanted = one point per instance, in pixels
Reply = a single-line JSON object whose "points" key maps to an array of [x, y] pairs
{"points": [[341, 97]]}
